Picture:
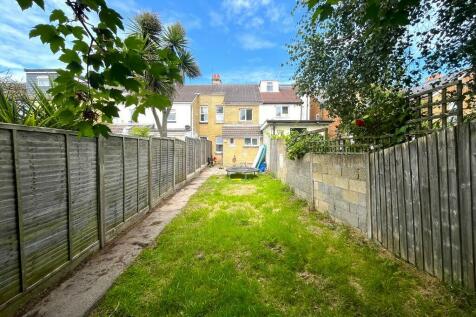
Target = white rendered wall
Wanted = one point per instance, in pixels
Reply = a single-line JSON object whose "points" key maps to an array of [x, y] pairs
{"points": [[268, 112]]}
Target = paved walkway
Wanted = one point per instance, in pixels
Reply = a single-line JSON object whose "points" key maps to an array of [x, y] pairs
{"points": [[77, 295]]}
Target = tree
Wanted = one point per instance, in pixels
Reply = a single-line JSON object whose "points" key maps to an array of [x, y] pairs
{"points": [[354, 53], [102, 70], [159, 41]]}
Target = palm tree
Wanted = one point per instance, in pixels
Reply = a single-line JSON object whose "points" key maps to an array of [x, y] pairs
{"points": [[148, 26]]}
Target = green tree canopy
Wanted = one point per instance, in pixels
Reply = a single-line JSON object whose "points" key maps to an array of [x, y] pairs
{"points": [[353, 53]]}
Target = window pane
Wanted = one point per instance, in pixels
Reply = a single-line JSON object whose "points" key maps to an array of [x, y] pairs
{"points": [[219, 114], [204, 114], [255, 141], [285, 110], [249, 114], [43, 81], [278, 111], [247, 141], [232, 141], [219, 144], [172, 116], [269, 86]]}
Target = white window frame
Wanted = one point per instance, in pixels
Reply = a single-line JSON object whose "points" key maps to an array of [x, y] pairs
{"points": [[43, 81], [246, 112], [279, 111], [218, 141], [204, 114], [220, 117], [169, 120], [251, 143], [269, 85]]}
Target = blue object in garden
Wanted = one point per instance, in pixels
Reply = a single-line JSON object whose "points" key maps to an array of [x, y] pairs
{"points": [[262, 167]]}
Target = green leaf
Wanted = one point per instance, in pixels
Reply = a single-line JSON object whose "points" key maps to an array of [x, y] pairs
{"points": [[157, 70], [134, 42], [95, 80], [111, 111], [58, 15], [81, 46], [157, 101], [118, 72], [132, 84], [69, 56], [25, 4], [40, 3], [86, 129], [131, 100], [111, 18], [66, 116], [101, 129], [78, 32]]}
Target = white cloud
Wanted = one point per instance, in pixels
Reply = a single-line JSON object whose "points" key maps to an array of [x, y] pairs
{"points": [[253, 42]]}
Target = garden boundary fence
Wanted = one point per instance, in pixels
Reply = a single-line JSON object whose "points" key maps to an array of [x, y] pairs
{"points": [[63, 197]]}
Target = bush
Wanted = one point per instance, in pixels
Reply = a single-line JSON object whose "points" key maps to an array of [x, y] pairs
{"points": [[140, 131], [298, 144]]}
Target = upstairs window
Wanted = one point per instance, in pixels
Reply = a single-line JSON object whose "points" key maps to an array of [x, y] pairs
{"points": [[203, 114], [219, 144], [269, 86], [172, 118], [43, 81], [246, 114], [219, 114], [282, 111], [251, 141]]}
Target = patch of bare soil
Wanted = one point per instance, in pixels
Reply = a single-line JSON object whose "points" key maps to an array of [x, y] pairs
{"points": [[313, 279]]}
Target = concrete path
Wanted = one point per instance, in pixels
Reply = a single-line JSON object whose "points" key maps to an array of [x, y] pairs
{"points": [[77, 295]]}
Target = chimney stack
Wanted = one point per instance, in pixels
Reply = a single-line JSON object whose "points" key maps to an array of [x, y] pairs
{"points": [[216, 79]]}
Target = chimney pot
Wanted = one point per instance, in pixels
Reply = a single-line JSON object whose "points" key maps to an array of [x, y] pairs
{"points": [[216, 80]]}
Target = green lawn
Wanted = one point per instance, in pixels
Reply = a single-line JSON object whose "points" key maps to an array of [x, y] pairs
{"points": [[250, 248]]}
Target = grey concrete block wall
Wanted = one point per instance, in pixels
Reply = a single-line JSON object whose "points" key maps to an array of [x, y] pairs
{"points": [[332, 183], [340, 187]]}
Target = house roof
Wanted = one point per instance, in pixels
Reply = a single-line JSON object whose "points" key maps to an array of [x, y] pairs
{"points": [[234, 94], [240, 131], [286, 95]]}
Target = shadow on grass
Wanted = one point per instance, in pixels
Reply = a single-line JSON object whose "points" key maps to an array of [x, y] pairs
{"points": [[242, 176]]}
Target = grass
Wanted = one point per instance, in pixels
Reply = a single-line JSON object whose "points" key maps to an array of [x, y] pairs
{"points": [[250, 248]]}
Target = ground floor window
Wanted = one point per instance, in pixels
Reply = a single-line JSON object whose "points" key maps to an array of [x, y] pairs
{"points": [[219, 144], [232, 141], [299, 130], [251, 141], [204, 138]]}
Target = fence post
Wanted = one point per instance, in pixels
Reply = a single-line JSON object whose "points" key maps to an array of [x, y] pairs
{"points": [[138, 174], [68, 192], [100, 191], [20, 232], [459, 101], [173, 163], [123, 179], [444, 119], [430, 110], [149, 175]]}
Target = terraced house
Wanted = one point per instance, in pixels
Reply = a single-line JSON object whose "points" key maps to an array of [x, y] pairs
{"points": [[236, 118]]}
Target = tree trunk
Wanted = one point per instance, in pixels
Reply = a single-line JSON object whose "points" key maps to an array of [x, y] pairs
{"points": [[161, 126]]}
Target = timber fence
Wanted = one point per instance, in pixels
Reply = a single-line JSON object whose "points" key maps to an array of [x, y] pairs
{"points": [[62, 197]]}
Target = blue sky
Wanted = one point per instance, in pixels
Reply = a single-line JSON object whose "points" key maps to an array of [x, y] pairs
{"points": [[242, 40]]}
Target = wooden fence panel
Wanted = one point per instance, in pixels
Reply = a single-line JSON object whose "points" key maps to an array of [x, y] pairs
{"points": [[408, 193], [422, 201], [425, 204], [434, 184], [42, 168], [388, 199], [465, 201], [83, 171], [113, 182], [155, 169], [143, 186], [417, 216], [444, 207], [402, 225], [383, 199], [10, 281], [453, 189], [130, 178], [394, 199]]}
